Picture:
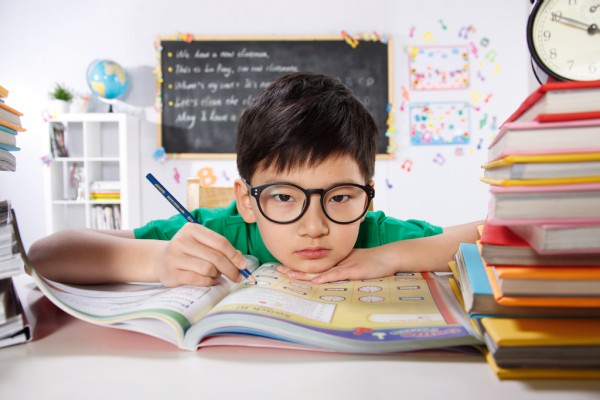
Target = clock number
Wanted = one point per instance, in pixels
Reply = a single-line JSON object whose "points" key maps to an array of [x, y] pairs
{"points": [[556, 16], [570, 62], [593, 68], [553, 53], [546, 35]]}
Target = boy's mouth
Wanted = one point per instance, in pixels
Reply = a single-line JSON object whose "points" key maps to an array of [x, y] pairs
{"points": [[313, 252]]}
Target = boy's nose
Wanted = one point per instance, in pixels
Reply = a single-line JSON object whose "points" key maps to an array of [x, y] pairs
{"points": [[314, 222]]}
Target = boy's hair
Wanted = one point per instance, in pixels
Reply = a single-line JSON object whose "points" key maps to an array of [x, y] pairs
{"points": [[305, 118]]}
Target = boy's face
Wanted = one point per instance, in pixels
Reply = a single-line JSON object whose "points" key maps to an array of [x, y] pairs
{"points": [[313, 243]]}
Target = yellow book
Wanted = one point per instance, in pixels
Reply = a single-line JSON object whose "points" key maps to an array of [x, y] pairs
{"points": [[543, 331], [3, 92], [454, 270], [456, 290], [543, 169]]}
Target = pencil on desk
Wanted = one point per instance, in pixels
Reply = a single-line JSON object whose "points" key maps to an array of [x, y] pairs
{"points": [[186, 214]]}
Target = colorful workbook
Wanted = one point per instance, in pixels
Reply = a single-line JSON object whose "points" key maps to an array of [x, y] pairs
{"points": [[478, 295], [560, 101], [405, 312], [546, 137]]}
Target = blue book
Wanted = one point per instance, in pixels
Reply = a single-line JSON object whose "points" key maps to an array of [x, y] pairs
{"points": [[5, 129], [479, 298]]}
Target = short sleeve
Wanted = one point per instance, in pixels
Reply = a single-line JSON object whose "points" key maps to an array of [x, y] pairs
{"points": [[377, 229]]}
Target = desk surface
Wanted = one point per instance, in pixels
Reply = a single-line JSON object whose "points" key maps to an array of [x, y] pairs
{"points": [[69, 358]]}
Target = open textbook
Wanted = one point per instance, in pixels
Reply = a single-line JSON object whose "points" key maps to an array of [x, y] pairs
{"points": [[406, 312]]}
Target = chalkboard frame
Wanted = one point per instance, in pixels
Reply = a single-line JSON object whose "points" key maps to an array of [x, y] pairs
{"points": [[188, 38]]}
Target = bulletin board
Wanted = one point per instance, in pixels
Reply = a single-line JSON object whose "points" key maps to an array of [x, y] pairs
{"points": [[205, 83]]}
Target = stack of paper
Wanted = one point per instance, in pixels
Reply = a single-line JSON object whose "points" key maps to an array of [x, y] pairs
{"points": [[14, 328]]}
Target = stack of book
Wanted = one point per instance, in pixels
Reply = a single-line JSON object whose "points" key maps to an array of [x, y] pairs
{"points": [[14, 328], [105, 190], [532, 283], [106, 216], [10, 126]]}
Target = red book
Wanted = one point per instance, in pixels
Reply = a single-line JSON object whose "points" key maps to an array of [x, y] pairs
{"points": [[501, 246], [560, 101]]}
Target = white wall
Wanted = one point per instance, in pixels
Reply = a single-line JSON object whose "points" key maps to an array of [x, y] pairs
{"points": [[54, 41]]}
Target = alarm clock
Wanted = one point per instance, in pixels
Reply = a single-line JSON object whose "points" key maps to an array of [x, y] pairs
{"points": [[563, 37]]}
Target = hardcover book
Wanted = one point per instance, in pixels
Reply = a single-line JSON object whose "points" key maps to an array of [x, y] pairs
{"points": [[567, 238], [560, 101], [544, 342], [547, 137], [518, 205], [501, 245]]}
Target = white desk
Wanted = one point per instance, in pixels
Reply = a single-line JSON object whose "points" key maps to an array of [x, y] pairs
{"points": [[71, 359]]}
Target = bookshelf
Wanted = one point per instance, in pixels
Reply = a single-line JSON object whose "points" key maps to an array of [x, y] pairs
{"points": [[101, 147]]}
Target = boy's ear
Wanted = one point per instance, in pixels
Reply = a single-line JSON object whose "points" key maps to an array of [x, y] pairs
{"points": [[243, 201]]}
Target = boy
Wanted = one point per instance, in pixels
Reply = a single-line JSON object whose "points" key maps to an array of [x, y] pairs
{"points": [[304, 131]]}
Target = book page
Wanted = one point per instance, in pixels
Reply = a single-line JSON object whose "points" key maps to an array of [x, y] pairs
{"points": [[405, 299], [112, 301], [408, 307], [109, 303]]}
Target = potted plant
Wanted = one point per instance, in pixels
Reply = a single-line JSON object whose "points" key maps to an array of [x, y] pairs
{"points": [[61, 97]]}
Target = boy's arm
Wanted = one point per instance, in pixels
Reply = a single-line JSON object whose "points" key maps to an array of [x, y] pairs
{"points": [[195, 256], [414, 255]]}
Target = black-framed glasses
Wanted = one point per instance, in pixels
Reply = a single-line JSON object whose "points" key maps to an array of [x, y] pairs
{"points": [[284, 202]]}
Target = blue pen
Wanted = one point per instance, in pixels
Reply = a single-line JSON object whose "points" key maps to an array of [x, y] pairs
{"points": [[186, 214]]}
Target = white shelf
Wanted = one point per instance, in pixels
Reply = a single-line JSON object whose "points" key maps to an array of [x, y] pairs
{"points": [[101, 147]]}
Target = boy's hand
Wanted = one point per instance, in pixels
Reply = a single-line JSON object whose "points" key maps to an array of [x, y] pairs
{"points": [[360, 264], [198, 256]]}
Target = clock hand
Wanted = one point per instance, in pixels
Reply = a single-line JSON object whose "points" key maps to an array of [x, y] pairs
{"points": [[591, 29]]}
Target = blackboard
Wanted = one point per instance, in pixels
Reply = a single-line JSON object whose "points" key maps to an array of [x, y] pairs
{"points": [[206, 84]]}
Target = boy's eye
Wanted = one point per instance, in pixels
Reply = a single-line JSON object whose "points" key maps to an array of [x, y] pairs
{"points": [[282, 197], [339, 198]]}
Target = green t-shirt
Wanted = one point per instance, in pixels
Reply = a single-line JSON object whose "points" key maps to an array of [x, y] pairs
{"points": [[375, 230]]}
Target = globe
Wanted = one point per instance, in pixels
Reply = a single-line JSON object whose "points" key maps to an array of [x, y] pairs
{"points": [[107, 79]]}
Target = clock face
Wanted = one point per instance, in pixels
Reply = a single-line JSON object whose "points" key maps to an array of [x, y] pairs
{"points": [[564, 38]]}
